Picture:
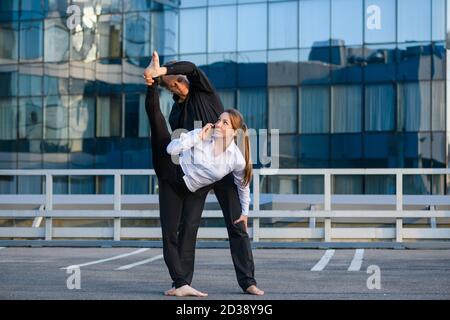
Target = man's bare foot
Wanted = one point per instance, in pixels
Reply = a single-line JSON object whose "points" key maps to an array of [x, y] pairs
{"points": [[170, 292], [186, 291], [254, 290]]}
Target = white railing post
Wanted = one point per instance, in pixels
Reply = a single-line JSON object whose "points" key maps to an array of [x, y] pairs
{"points": [[327, 206], [256, 199], [117, 205], [399, 207], [48, 206]]}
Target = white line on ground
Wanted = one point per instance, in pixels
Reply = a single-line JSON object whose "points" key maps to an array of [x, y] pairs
{"points": [[129, 266], [357, 260], [120, 256], [324, 261]]}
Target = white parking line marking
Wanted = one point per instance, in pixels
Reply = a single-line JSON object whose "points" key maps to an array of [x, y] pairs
{"points": [[129, 266], [324, 261], [357, 260], [120, 256]]}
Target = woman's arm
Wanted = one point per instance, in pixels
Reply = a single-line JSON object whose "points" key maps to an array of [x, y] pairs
{"points": [[185, 142], [244, 192]]}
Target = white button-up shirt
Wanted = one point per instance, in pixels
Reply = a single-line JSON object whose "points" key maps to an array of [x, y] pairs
{"points": [[201, 167]]}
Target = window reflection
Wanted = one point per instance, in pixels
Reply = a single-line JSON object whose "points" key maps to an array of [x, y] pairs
{"points": [[282, 67], [414, 20], [346, 21], [347, 64], [8, 79], [108, 116], [252, 29], [56, 117], [314, 151], [314, 15], [414, 106], [414, 62], [81, 117], [380, 63], [283, 109], [252, 103], [30, 79], [9, 38], [314, 65], [283, 25], [137, 34], [31, 41], [56, 78], [222, 27], [222, 69], [56, 46], [346, 106], [252, 68], [380, 107], [314, 109], [380, 21], [30, 118], [192, 30], [109, 33], [8, 119], [56, 156]]}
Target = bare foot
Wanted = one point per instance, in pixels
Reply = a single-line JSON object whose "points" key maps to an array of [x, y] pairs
{"points": [[254, 290], [152, 70], [187, 290], [170, 292]]}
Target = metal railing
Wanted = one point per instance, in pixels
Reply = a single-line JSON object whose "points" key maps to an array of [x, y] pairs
{"points": [[396, 212]]}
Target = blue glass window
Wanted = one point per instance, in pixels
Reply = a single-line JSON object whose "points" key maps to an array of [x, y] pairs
{"points": [[314, 150], [31, 41], [346, 150], [108, 154], [8, 119], [56, 117], [252, 68], [8, 160], [314, 15], [137, 35], [30, 118], [283, 25], [414, 62], [82, 153], [165, 31], [136, 120], [379, 21], [56, 78], [9, 10], [9, 38], [381, 150], [380, 63], [252, 29], [346, 106], [81, 117], [8, 79], [30, 79], [109, 116], [414, 20], [438, 106], [283, 109], [439, 61], [346, 22], [222, 28], [347, 64], [417, 150], [109, 30], [314, 114], [32, 9], [380, 107], [438, 149], [136, 153], [314, 65], [414, 106], [56, 45], [29, 156], [252, 103], [192, 30], [283, 67], [222, 70], [56, 156]]}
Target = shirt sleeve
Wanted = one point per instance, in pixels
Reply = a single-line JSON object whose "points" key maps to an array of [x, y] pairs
{"points": [[195, 75], [244, 192], [185, 142]]}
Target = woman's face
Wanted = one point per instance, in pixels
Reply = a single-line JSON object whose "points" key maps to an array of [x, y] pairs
{"points": [[223, 127]]}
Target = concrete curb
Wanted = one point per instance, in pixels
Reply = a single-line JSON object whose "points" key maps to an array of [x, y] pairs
{"points": [[224, 244]]}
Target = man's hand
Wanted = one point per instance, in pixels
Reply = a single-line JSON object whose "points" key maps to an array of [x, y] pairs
{"points": [[206, 131], [153, 70], [242, 218]]}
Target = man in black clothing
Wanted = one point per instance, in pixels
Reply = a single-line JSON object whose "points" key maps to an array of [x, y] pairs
{"points": [[197, 100]]}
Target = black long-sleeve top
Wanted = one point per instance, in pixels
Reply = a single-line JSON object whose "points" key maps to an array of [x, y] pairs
{"points": [[202, 103]]}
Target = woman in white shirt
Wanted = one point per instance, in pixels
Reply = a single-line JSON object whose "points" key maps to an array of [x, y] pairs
{"points": [[205, 156]]}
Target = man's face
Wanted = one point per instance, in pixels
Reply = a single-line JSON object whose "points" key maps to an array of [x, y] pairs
{"points": [[177, 84]]}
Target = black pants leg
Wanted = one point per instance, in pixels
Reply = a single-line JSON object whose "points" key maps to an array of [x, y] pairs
{"points": [[171, 193], [193, 206], [240, 246]]}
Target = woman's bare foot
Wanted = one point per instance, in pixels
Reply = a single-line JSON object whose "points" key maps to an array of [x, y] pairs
{"points": [[186, 291], [254, 290], [170, 292]]}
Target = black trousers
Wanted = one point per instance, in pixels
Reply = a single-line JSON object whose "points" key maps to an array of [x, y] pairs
{"points": [[181, 209]]}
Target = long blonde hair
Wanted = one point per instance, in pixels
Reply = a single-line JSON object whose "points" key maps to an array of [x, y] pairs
{"points": [[237, 122]]}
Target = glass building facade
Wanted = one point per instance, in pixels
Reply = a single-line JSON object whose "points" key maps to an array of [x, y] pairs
{"points": [[349, 84]]}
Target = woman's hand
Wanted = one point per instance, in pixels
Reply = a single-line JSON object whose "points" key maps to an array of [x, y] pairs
{"points": [[206, 131], [242, 218]]}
